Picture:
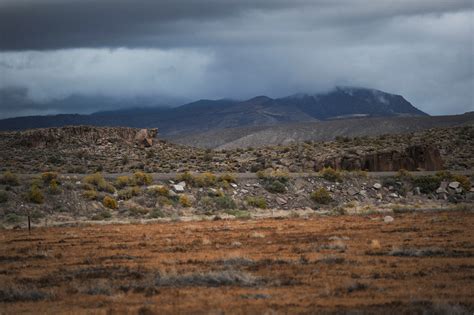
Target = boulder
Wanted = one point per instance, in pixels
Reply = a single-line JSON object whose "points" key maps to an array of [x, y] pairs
{"points": [[388, 219], [281, 201], [145, 137], [377, 186], [352, 191]]}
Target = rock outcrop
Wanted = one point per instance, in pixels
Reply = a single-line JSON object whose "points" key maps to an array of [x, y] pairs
{"points": [[412, 158]]}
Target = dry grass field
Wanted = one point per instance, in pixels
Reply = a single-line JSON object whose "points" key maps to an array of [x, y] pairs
{"points": [[421, 262]]}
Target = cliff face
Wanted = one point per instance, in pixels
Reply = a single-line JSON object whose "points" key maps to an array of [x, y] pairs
{"points": [[412, 158]]}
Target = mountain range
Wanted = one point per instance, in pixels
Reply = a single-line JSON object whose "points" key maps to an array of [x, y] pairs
{"points": [[210, 115]]}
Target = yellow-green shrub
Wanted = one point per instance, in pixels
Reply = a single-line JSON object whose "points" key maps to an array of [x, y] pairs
{"points": [[185, 177], [54, 187], [205, 180], [48, 177], [184, 201], [99, 182], [464, 181], [331, 174], [35, 195], [90, 194], [258, 202], [227, 177], [122, 181], [141, 178], [9, 178], [110, 202], [321, 196]]}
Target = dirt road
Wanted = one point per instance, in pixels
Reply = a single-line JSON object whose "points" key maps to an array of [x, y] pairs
{"points": [[420, 261]]}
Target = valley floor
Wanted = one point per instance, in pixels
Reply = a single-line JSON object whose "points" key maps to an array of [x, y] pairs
{"points": [[419, 262]]}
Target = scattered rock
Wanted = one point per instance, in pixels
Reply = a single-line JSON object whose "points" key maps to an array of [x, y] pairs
{"points": [[441, 190], [281, 201], [178, 188], [417, 191], [234, 185], [388, 219], [394, 195], [454, 185], [377, 186], [352, 191]]}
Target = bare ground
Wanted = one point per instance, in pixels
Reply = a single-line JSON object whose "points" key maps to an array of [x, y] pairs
{"points": [[421, 262]]}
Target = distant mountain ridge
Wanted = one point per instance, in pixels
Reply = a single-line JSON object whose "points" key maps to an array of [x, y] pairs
{"points": [[205, 115]]}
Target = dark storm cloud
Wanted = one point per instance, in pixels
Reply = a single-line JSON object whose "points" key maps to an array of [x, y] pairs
{"points": [[55, 24], [52, 49]]}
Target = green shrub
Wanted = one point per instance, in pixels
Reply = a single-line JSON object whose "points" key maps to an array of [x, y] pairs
{"points": [[184, 201], [3, 196], [35, 195], [138, 211], [328, 173], [9, 178], [122, 181], [13, 218], [141, 178], [258, 202], [321, 196], [427, 184], [224, 202], [48, 177], [239, 214], [90, 194], [128, 193], [275, 186], [278, 175], [110, 202], [404, 174]]}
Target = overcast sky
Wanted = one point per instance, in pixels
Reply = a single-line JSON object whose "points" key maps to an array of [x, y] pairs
{"points": [[184, 50]]}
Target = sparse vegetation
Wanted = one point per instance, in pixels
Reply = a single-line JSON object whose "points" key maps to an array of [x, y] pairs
{"points": [[103, 215], [3, 196], [98, 182], [122, 181], [427, 184], [48, 177], [90, 194]]}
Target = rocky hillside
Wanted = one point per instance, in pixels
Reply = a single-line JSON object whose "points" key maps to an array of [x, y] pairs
{"points": [[85, 149], [285, 134], [205, 115]]}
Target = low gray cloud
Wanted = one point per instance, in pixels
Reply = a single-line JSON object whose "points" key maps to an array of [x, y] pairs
{"points": [[211, 49]]}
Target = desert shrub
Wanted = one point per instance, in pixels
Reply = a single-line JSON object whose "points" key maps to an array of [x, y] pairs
{"points": [[90, 194], [427, 184], [184, 201], [258, 202], [328, 173], [48, 177], [122, 181], [224, 202], [205, 180], [35, 195], [206, 203], [444, 175], [404, 174], [99, 182], [239, 214], [360, 173], [227, 177], [13, 218], [160, 191], [141, 178], [138, 211], [278, 175], [9, 178], [463, 180], [275, 186], [164, 201], [185, 177], [3, 196], [110, 202], [104, 214], [156, 213], [321, 196]]}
